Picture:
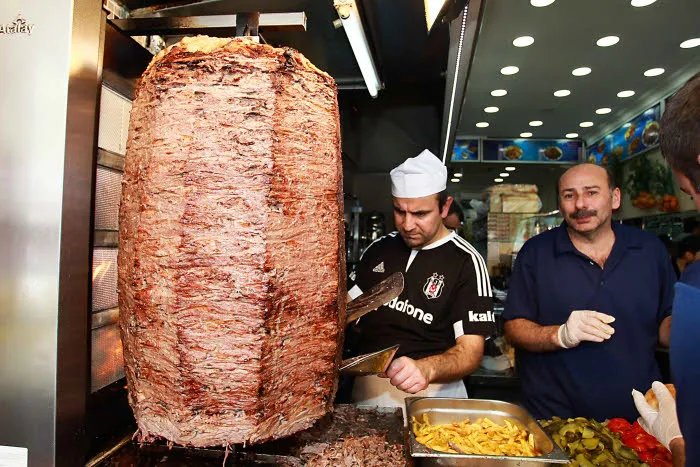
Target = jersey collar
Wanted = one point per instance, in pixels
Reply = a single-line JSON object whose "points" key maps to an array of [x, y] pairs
{"points": [[440, 242]]}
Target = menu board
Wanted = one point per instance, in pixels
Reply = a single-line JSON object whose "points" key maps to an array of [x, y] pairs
{"points": [[528, 150], [465, 150], [633, 138]]}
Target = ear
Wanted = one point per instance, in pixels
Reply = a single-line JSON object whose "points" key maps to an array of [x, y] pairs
{"points": [[446, 207], [616, 198]]}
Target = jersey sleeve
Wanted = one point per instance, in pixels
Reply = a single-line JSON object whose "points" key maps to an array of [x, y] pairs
{"points": [[666, 283], [472, 304], [521, 301]]}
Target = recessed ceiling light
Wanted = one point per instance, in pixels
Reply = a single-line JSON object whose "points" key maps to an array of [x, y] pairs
{"points": [[509, 70], [690, 43], [510, 168], [504, 174], [585, 124], [607, 41], [583, 71], [535, 123], [641, 3], [498, 180], [482, 124], [458, 174], [499, 92], [523, 41], [454, 180], [562, 93], [654, 72], [526, 134], [491, 110], [603, 111], [625, 93], [572, 135], [541, 3]]}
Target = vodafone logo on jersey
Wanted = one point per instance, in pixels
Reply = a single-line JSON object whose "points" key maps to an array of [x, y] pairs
{"points": [[406, 307]]}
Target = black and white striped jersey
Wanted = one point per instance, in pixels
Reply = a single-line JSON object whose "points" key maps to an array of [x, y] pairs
{"points": [[447, 294]]}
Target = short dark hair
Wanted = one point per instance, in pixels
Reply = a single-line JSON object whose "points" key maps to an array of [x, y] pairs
{"points": [[455, 209], [689, 244], [690, 224], [442, 199], [611, 178], [680, 131]]}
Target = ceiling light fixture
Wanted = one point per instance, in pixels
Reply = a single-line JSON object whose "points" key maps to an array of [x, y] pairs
{"points": [[523, 41], [510, 168], [482, 124], [607, 41], [603, 110], [509, 70], [541, 3], [491, 110], [572, 135], [526, 134], [562, 93], [454, 180], [535, 123], [504, 174], [641, 3], [627, 93], [350, 17], [583, 71], [690, 43], [585, 124], [498, 180], [499, 92], [654, 72], [459, 174]]}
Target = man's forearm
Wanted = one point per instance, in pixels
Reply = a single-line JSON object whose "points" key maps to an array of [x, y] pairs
{"points": [[678, 452], [455, 363], [665, 332], [531, 336]]}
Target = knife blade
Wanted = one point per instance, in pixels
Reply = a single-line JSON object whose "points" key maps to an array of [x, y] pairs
{"points": [[369, 364], [374, 297]]}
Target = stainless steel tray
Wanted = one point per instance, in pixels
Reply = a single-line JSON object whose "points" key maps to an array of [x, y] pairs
{"points": [[446, 410]]}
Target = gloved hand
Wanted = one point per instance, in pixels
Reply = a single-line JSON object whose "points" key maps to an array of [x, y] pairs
{"points": [[662, 425], [585, 325]]}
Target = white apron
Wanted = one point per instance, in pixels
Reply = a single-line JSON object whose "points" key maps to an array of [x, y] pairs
{"points": [[373, 391]]}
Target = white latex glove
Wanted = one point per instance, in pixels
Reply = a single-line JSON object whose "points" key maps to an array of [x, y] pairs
{"points": [[662, 425], [585, 325]]}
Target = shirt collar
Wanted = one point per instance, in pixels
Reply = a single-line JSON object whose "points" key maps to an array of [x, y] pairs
{"points": [[563, 243], [440, 242]]}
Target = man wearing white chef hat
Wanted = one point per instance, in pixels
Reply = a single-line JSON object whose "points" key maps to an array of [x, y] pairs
{"points": [[445, 310]]}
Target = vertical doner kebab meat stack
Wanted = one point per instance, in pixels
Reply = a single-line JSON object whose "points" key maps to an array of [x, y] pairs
{"points": [[231, 256]]}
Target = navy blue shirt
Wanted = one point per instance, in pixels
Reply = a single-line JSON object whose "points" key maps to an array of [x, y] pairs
{"points": [[685, 367], [551, 278]]}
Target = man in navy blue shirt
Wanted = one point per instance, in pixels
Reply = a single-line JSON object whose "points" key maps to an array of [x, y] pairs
{"points": [[587, 304], [680, 145]]}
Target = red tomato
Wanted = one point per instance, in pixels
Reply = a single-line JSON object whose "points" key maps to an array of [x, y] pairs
{"points": [[619, 425]]}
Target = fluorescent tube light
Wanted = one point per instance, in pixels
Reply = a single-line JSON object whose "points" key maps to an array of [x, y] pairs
{"points": [[350, 17]]}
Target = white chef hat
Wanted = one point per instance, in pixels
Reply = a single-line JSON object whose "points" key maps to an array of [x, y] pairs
{"points": [[419, 176]]}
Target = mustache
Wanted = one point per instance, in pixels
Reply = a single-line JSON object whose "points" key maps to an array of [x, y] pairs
{"points": [[584, 213]]}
